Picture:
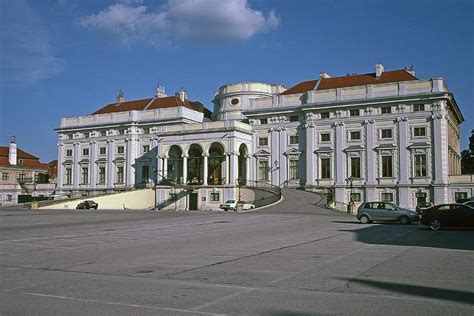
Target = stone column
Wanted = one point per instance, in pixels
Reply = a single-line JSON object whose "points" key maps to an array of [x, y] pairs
{"points": [[247, 167], [340, 165], [60, 171], [185, 168], [92, 165], [439, 127], [227, 168], [283, 159], [234, 168], [205, 169], [310, 157], [275, 156], [403, 163], [110, 164], [370, 163], [164, 172], [75, 166]]}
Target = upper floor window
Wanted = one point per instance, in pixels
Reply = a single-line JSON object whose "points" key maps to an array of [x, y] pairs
{"points": [[103, 133], [420, 165], [419, 131], [69, 153], [120, 149], [325, 137], [69, 136], [387, 166], [418, 107], [294, 139], [20, 161], [386, 133], [86, 135], [355, 167], [263, 170], [85, 151], [294, 169], [146, 130], [325, 115], [294, 118], [263, 141], [354, 112], [386, 110], [68, 175], [101, 174], [85, 175], [355, 135], [121, 132], [263, 121], [325, 168], [102, 150], [146, 148], [5, 176]]}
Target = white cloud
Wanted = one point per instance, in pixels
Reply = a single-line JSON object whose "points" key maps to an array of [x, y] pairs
{"points": [[26, 53], [197, 20]]}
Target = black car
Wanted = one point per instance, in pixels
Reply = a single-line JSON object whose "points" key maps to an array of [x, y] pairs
{"points": [[87, 205], [448, 215]]}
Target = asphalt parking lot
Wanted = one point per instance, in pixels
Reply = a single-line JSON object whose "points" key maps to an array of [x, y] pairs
{"points": [[299, 260]]}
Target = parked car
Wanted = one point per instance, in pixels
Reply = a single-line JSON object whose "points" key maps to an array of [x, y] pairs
{"points": [[232, 204], [423, 206], [87, 205], [385, 212], [448, 215], [469, 203]]}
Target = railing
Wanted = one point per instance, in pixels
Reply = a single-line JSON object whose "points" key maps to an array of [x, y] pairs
{"points": [[275, 190], [262, 184]]}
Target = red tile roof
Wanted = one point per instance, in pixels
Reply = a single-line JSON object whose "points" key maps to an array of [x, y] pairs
{"points": [[351, 80], [4, 152], [29, 161], [149, 104]]}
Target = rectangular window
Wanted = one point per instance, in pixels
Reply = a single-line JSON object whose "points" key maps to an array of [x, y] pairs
{"points": [[354, 112], [263, 170], [85, 175], [121, 132], [21, 178], [387, 166], [69, 153], [355, 167], [146, 148], [145, 173], [460, 197], [214, 197], [120, 174], [103, 133], [294, 169], [85, 151], [418, 107], [386, 133], [355, 135], [9, 197], [146, 130], [102, 150], [120, 149], [263, 121], [86, 135], [294, 118], [263, 141], [325, 115], [387, 197], [386, 110], [5, 176], [294, 139], [356, 197], [419, 131], [326, 137], [69, 136], [68, 176], [420, 165], [325, 168], [101, 175]]}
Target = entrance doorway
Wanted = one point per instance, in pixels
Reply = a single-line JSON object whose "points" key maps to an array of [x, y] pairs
{"points": [[193, 201]]}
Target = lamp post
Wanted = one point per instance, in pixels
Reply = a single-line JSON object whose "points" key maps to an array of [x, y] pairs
{"points": [[351, 201], [238, 185]]}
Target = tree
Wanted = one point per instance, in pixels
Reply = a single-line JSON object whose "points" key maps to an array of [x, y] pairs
{"points": [[467, 157]]}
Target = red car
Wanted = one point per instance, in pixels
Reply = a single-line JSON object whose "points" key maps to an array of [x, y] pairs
{"points": [[448, 215]]}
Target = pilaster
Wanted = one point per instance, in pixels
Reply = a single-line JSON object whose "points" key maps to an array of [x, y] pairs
{"points": [[340, 159], [370, 163], [92, 165], [76, 167], [310, 158], [110, 163], [185, 168], [60, 171], [205, 169], [283, 138], [404, 161]]}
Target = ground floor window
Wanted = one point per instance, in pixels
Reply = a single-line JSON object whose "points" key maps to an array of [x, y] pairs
{"points": [[263, 170], [460, 196], [120, 174], [387, 197], [68, 176], [85, 175], [101, 175], [145, 173], [356, 197], [214, 197], [9, 197], [294, 169]]}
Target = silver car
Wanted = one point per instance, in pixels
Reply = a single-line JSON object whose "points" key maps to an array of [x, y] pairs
{"points": [[385, 212]]}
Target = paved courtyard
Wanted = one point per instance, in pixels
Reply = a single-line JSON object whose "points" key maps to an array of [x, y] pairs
{"points": [[295, 258]]}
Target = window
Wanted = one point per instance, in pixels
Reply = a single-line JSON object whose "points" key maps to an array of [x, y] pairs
{"points": [[325, 115], [354, 112], [21, 178], [263, 170], [101, 175], [102, 150], [294, 169], [355, 167], [146, 130], [103, 133], [294, 118], [20, 161], [387, 164], [146, 148], [460, 197], [9, 197], [214, 197], [386, 110], [419, 131], [68, 176], [325, 168], [263, 141], [294, 139], [386, 133], [5, 176], [121, 132], [355, 135], [120, 174], [85, 151], [387, 197], [120, 149], [418, 107], [69, 136], [326, 137], [356, 197], [263, 121], [145, 173], [420, 165], [85, 175], [69, 153], [86, 135]]}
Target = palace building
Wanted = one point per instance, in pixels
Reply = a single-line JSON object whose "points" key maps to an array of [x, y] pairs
{"points": [[386, 135]]}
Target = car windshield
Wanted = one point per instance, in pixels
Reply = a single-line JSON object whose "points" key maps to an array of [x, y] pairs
{"points": [[230, 201]]}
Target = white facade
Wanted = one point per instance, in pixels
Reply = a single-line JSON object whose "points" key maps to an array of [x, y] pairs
{"points": [[394, 141]]}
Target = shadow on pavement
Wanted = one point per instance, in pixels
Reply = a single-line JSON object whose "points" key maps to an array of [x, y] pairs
{"points": [[422, 291]]}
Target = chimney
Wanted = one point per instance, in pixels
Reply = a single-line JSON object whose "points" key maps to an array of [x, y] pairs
{"points": [[182, 94], [378, 70], [411, 71], [12, 153], [160, 92], [120, 97], [324, 75]]}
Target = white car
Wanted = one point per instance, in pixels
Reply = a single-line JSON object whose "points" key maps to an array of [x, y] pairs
{"points": [[232, 204]]}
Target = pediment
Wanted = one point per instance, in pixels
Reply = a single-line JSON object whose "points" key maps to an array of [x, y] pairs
{"points": [[293, 152], [262, 152]]}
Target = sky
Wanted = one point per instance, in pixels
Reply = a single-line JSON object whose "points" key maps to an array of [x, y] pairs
{"points": [[65, 58]]}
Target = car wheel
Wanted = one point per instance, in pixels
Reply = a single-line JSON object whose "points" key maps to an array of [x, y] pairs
{"points": [[95, 208], [364, 219], [404, 220], [435, 224]]}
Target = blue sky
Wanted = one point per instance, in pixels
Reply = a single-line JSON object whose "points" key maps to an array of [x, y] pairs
{"points": [[63, 58]]}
